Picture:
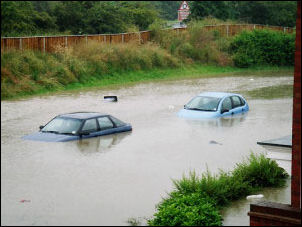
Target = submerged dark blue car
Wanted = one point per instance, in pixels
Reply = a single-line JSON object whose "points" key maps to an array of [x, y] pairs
{"points": [[80, 125]]}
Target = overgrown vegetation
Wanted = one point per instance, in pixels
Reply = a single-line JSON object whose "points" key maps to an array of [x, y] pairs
{"points": [[194, 44], [263, 47], [280, 13], [30, 72], [27, 18], [249, 48], [98, 64], [197, 200]]}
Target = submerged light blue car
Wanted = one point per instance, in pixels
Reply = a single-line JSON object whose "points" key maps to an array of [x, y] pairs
{"points": [[213, 105], [80, 125]]}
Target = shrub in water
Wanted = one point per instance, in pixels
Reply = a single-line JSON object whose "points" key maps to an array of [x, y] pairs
{"points": [[196, 201], [259, 171], [186, 210]]}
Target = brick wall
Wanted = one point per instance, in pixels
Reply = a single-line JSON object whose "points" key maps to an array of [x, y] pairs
{"points": [[296, 128], [276, 214]]}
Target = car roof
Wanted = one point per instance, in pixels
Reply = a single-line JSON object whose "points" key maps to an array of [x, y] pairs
{"points": [[217, 94], [82, 115]]}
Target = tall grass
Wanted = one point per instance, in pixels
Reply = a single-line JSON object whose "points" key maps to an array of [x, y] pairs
{"points": [[218, 190], [29, 72], [195, 44]]}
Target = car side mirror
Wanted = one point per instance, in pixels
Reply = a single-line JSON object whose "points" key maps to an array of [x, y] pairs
{"points": [[41, 127], [224, 111], [84, 133]]}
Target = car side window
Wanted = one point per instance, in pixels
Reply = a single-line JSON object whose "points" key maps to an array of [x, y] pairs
{"points": [[105, 123], [117, 122], [90, 125], [227, 104], [242, 101], [236, 101]]}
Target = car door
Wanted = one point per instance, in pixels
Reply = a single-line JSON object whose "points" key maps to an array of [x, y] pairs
{"points": [[237, 106], [106, 126], [226, 107], [90, 128]]}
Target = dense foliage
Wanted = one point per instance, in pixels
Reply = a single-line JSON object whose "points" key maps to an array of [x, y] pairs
{"points": [[26, 18], [263, 47], [187, 210], [197, 201], [279, 13], [74, 17], [32, 72]]}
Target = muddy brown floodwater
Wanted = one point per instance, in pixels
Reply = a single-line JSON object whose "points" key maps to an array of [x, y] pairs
{"points": [[107, 180]]}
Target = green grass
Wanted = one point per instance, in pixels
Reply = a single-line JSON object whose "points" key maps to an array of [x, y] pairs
{"points": [[130, 78], [198, 200]]}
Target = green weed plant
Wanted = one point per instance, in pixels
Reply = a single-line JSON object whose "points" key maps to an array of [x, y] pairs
{"points": [[197, 200]]}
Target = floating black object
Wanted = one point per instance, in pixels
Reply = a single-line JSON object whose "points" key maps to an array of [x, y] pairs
{"points": [[111, 98]]}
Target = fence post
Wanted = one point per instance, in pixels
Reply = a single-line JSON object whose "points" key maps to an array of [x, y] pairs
{"points": [[86, 39], [105, 38], [20, 43], [122, 38], [65, 41], [284, 29], [44, 44], [254, 26], [227, 30], [139, 37]]}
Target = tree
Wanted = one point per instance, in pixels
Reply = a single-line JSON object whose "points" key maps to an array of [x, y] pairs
{"points": [[16, 18], [201, 9]]}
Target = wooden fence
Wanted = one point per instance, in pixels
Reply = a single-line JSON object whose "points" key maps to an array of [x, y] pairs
{"points": [[51, 43]]}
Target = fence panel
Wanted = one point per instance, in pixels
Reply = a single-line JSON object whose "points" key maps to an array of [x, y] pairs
{"points": [[145, 37], [116, 38], [54, 43], [97, 38], [32, 43], [10, 43], [235, 29], [131, 37]]}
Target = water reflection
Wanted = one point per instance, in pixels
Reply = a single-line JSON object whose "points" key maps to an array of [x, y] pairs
{"points": [[100, 144], [228, 121], [127, 174]]}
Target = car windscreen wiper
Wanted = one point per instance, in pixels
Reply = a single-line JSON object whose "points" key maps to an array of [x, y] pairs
{"points": [[51, 132], [199, 109], [68, 133]]}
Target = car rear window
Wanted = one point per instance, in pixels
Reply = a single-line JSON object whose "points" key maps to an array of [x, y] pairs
{"points": [[105, 123], [236, 101], [117, 122]]}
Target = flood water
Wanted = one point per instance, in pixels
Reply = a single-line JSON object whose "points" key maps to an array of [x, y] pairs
{"points": [[109, 179]]}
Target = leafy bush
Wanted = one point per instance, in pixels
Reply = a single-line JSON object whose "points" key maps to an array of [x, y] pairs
{"points": [[259, 171], [196, 201], [186, 210], [263, 47]]}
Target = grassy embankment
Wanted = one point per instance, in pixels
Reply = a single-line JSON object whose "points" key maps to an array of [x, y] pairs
{"points": [[29, 73], [197, 201], [193, 53]]}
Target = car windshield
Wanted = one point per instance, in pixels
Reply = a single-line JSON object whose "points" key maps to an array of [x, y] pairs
{"points": [[63, 125], [203, 103]]}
